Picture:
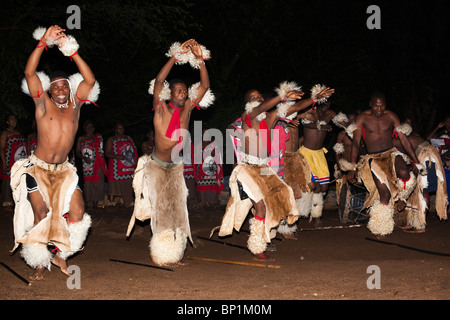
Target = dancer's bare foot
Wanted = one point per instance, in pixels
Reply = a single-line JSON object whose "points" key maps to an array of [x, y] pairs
{"points": [[414, 230], [262, 257], [290, 236], [61, 263], [175, 264], [318, 223], [38, 274]]}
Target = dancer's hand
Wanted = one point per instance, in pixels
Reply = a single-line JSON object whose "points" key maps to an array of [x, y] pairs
{"points": [[294, 94], [325, 93], [53, 32]]}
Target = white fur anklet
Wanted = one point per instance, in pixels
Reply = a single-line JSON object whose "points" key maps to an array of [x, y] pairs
{"points": [[317, 205], [77, 235], [304, 204], [286, 229], [256, 243], [381, 220], [36, 256], [167, 247]]}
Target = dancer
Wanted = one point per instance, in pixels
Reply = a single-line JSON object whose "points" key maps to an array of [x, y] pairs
{"points": [[49, 206], [297, 176], [343, 149], [315, 128], [253, 183], [383, 170], [433, 181], [159, 186]]}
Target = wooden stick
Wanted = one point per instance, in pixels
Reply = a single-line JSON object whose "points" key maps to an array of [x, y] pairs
{"points": [[409, 248], [16, 274], [250, 264], [141, 264], [223, 242], [331, 227]]}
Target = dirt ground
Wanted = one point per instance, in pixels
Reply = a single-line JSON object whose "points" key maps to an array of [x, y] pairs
{"points": [[325, 264]]}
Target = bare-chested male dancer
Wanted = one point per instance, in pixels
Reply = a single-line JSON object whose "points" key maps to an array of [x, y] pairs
{"points": [[315, 128], [159, 177], [47, 175], [383, 170]]}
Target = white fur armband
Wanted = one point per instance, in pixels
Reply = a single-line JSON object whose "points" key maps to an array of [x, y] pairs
{"points": [[39, 32], [283, 108], [176, 49], [208, 98], [285, 87], [339, 119], [349, 130], [249, 106], [315, 93], [69, 47], [45, 81], [404, 128], [339, 148], [164, 94], [75, 81]]}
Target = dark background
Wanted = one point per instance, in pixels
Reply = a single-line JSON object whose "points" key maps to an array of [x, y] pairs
{"points": [[253, 44]]}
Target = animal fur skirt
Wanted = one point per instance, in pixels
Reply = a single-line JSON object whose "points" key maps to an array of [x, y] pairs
{"points": [[161, 196]]}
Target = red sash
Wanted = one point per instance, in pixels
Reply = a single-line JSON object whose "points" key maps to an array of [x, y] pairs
{"points": [[264, 130], [118, 169], [174, 123], [15, 149]]}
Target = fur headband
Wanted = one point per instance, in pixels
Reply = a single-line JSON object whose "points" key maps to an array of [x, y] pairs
{"points": [[74, 81], [176, 49]]}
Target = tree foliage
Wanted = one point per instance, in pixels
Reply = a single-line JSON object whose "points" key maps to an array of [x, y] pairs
{"points": [[254, 44]]}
